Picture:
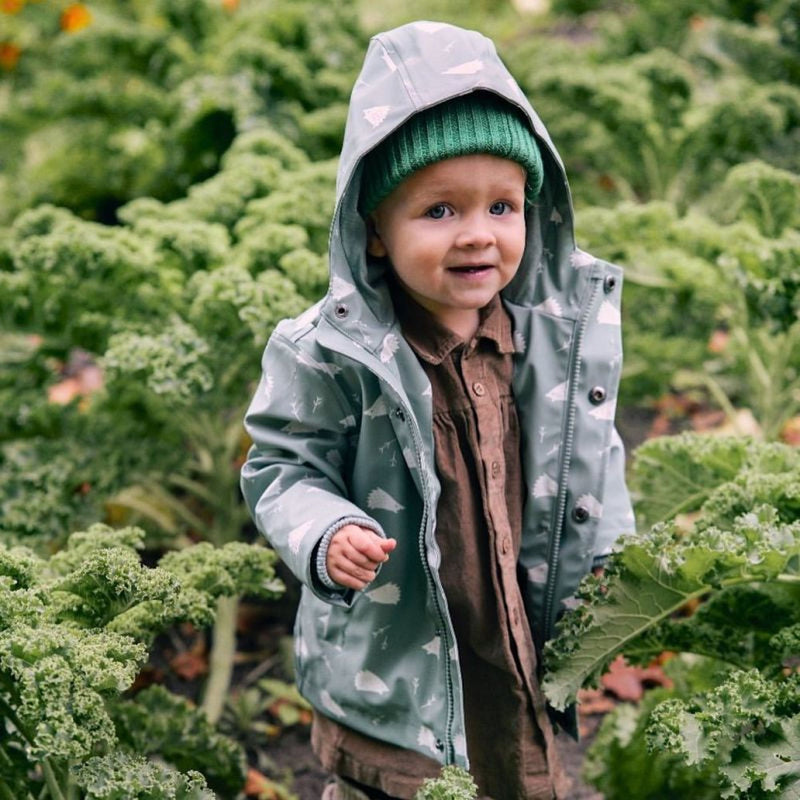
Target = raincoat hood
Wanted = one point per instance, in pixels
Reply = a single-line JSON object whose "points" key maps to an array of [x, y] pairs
{"points": [[405, 71]]}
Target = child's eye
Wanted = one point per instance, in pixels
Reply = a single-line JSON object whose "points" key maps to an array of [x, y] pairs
{"points": [[439, 211], [500, 207]]}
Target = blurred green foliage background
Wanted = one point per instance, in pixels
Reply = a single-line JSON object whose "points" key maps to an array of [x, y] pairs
{"points": [[167, 176]]}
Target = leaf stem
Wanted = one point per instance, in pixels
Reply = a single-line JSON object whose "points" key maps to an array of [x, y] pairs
{"points": [[223, 650], [52, 782]]}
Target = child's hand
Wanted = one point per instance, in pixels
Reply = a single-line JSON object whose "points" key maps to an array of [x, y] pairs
{"points": [[354, 554]]}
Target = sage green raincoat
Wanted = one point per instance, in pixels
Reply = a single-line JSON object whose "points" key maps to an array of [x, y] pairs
{"points": [[341, 425]]}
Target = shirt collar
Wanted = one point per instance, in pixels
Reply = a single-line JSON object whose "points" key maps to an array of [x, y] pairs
{"points": [[433, 342]]}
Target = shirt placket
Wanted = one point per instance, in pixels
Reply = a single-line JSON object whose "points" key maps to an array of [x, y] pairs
{"points": [[482, 388]]}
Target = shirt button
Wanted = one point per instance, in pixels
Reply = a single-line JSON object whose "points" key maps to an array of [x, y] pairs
{"points": [[515, 616], [479, 388], [505, 545], [495, 468]]}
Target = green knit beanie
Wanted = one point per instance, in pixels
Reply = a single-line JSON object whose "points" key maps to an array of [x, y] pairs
{"points": [[468, 124]]}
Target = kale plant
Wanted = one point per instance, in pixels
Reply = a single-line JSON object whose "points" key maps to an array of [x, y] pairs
{"points": [[74, 631], [741, 558]]}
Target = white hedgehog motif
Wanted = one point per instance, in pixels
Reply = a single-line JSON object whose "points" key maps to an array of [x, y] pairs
{"points": [[380, 498], [545, 486], [550, 306], [467, 68], [558, 393], [608, 314], [389, 347], [556, 217], [388, 594], [329, 704], [367, 681], [519, 342], [296, 536], [348, 422]]}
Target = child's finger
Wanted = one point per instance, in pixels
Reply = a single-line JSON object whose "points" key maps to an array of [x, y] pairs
{"points": [[346, 573], [370, 544]]}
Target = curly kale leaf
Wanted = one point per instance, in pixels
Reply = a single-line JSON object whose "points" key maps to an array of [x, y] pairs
{"points": [[745, 625], [157, 722], [58, 680], [672, 475], [171, 364], [620, 764], [652, 577], [207, 573], [748, 725], [453, 783], [125, 776]]}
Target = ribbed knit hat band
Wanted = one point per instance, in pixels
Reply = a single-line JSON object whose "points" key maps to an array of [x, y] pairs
{"points": [[466, 125]]}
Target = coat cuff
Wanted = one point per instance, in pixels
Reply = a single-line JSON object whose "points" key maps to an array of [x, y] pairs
{"points": [[320, 563]]}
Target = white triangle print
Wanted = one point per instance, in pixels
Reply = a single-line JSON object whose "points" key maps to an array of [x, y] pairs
{"points": [[377, 409], [592, 504], [369, 682], [580, 259], [467, 68], [340, 288], [379, 498], [388, 594], [430, 27], [558, 394], [605, 411], [550, 306], [387, 59], [330, 705], [376, 115], [609, 314], [545, 486], [297, 535]]}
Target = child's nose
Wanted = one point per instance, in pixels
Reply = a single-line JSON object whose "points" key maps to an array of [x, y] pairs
{"points": [[475, 233]]}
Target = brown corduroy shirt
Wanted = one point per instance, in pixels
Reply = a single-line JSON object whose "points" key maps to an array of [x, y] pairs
{"points": [[477, 445]]}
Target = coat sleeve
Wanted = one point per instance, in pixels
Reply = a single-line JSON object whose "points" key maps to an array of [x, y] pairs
{"points": [[617, 516], [301, 423]]}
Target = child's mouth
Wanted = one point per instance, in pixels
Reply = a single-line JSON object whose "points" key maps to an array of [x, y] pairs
{"points": [[471, 269]]}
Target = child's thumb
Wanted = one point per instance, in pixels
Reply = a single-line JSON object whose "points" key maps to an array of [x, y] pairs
{"points": [[387, 545]]}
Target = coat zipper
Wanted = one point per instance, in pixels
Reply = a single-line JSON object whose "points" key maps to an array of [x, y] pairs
{"points": [[566, 458], [446, 645]]}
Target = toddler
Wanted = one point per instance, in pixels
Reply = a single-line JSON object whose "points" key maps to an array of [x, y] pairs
{"points": [[433, 452]]}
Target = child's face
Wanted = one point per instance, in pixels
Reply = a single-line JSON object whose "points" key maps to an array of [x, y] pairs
{"points": [[454, 233]]}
